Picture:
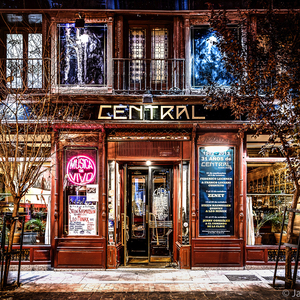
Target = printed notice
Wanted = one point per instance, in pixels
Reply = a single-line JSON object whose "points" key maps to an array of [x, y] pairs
{"points": [[82, 216], [216, 190]]}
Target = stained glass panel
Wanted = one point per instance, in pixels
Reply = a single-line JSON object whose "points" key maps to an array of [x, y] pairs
{"points": [[159, 52], [35, 67], [14, 62], [137, 52]]}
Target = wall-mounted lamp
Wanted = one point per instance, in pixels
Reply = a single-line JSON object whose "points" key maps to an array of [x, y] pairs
{"points": [[79, 23], [147, 97]]}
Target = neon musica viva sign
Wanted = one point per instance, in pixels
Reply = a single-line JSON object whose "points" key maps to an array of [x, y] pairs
{"points": [[81, 170]]}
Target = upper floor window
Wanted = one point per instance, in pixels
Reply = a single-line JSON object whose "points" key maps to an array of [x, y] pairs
{"points": [[24, 52], [208, 65], [82, 54], [15, 63], [139, 43]]}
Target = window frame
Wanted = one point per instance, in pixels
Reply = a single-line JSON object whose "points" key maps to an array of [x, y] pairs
{"points": [[232, 26], [87, 86]]}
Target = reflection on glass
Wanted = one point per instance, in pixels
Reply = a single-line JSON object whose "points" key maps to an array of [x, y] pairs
{"points": [[138, 214], [160, 215]]}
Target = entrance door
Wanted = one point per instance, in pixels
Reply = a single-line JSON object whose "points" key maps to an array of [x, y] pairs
{"points": [[148, 209]]}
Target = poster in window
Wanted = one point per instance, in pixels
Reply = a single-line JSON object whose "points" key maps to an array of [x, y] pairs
{"points": [[216, 191], [82, 216], [92, 192]]}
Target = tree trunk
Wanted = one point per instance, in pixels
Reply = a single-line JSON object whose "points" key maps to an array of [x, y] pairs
{"points": [[288, 250], [10, 241]]}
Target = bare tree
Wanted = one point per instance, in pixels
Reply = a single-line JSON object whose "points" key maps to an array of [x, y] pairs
{"points": [[28, 114], [264, 73]]}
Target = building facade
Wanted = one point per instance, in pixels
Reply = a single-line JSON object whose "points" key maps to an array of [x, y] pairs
{"points": [[148, 175]]}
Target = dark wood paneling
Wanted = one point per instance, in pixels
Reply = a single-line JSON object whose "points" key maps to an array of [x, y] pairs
{"points": [[186, 150], [89, 253], [184, 258], [149, 149], [255, 255], [207, 253], [91, 258], [40, 255], [111, 255]]}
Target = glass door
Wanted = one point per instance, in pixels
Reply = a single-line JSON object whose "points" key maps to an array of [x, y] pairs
{"points": [[161, 215], [148, 215], [137, 214]]}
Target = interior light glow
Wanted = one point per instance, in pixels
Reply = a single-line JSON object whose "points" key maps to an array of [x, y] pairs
{"points": [[148, 163], [216, 148], [81, 170], [84, 38]]}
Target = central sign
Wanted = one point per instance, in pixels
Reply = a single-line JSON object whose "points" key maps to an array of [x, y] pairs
{"points": [[151, 112], [81, 170]]}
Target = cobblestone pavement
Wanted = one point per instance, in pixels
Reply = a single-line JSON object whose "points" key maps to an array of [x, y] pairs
{"points": [[147, 284]]}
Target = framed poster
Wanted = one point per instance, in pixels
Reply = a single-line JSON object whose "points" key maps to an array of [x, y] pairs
{"points": [[216, 191]]}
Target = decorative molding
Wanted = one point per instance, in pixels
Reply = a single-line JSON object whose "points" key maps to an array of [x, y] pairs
{"points": [[213, 140]]}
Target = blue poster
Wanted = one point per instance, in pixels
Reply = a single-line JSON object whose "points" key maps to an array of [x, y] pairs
{"points": [[216, 191]]}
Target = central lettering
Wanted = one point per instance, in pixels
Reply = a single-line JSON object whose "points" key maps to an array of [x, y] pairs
{"points": [[148, 112]]}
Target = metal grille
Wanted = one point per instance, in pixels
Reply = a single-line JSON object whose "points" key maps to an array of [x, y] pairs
{"points": [[273, 253]]}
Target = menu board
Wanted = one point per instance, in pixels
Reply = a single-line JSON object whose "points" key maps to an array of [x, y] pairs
{"points": [[216, 190], [82, 216]]}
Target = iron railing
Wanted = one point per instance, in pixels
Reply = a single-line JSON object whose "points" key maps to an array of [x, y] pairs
{"points": [[158, 76], [24, 75]]}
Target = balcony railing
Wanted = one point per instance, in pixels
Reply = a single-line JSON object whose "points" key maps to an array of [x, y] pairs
{"points": [[158, 76], [25, 75]]}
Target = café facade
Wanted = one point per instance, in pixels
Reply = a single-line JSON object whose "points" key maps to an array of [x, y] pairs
{"points": [[149, 175]]}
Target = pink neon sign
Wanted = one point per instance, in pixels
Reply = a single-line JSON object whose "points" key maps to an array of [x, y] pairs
{"points": [[81, 170]]}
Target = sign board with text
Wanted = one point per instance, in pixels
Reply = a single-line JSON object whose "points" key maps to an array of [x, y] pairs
{"points": [[216, 191]]}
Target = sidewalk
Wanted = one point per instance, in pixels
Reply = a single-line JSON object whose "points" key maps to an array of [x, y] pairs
{"points": [[147, 284]]}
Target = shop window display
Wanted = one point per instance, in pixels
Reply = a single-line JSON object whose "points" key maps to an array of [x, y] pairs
{"points": [[35, 206], [269, 190]]}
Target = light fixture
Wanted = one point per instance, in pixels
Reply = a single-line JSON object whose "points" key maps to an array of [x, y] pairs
{"points": [[147, 97], [79, 23], [84, 38], [148, 163], [216, 148]]}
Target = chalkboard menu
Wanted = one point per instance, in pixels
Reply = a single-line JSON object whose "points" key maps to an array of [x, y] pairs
{"points": [[216, 190]]}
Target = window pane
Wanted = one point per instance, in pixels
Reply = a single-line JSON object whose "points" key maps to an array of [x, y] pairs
{"points": [[14, 63], [269, 190], [137, 53], [81, 192], [35, 71], [159, 52], [255, 144], [82, 54], [207, 59], [34, 206]]}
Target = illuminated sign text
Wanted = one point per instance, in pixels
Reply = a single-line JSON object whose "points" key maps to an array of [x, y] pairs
{"points": [[81, 170]]}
